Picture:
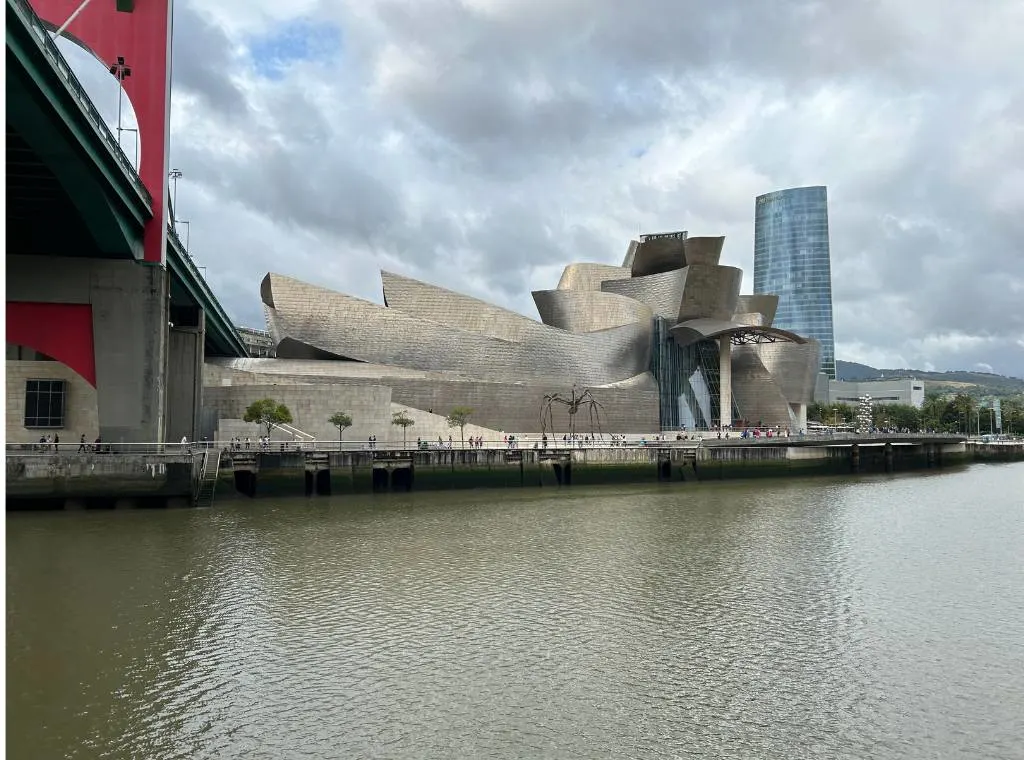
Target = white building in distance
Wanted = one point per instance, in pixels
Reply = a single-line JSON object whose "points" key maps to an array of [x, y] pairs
{"points": [[896, 391]]}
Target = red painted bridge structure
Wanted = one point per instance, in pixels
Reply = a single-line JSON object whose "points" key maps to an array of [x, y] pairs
{"points": [[101, 295]]}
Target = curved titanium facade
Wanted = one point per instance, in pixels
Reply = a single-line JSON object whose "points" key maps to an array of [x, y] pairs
{"points": [[435, 304], [657, 256], [793, 366], [703, 250], [359, 330], [710, 291], [590, 276], [764, 306], [585, 311], [663, 292], [664, 339], [791, 259]]}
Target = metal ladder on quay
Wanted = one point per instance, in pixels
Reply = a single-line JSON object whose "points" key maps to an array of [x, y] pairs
{"points": [[208, 479]]}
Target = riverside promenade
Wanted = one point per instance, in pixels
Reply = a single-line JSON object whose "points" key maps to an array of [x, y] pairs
{"points": [[158, 475]]}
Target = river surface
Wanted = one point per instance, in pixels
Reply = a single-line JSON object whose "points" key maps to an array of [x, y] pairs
{"points": [[880, 617]]}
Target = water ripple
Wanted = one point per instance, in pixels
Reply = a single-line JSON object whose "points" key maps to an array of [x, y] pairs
{"points": [[822, 619]]}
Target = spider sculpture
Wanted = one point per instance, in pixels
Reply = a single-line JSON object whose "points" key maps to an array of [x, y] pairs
{"points": [[575, 401]]}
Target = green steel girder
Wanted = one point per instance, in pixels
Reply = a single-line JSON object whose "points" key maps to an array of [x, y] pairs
{"points": [[188, 285], [62, 131]]}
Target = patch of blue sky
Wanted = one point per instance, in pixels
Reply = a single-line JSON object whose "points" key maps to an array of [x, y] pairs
{"points": [[297, 40]]}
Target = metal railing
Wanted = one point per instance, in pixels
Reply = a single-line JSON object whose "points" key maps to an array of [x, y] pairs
{"points": [[199, 448], [46, 43], [519, 443]]}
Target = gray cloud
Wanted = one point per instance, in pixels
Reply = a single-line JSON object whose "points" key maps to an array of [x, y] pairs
{"points": [[203, 62], [480, 144]]}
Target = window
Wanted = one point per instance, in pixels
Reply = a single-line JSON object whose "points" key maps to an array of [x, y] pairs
{"points": [[44, 403]]}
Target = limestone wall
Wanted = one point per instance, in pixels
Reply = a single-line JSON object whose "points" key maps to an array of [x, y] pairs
{"points": [[129, 322], [81, 409], [311, 405], [502, 407], [429, 426]]}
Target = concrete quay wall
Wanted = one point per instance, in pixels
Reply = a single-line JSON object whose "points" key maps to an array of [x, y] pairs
{"points": [[100, 480], [297, 473], [113, 479], [997, 451]]}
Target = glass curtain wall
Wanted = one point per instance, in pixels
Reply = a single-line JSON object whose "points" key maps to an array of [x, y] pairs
{"points": [[792, 260], [688, 380]]}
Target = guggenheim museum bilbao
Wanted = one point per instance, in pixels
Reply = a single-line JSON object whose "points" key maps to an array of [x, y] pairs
{"points": [[663, 342]]}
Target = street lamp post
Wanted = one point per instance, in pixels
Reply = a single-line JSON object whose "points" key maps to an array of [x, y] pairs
{"points": [[120, 72]]}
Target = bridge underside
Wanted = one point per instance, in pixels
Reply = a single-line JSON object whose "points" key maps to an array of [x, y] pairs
{"points": [[35, 198]]}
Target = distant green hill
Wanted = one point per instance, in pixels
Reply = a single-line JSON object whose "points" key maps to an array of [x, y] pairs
{"points": [[973, 383], [853, 371]]}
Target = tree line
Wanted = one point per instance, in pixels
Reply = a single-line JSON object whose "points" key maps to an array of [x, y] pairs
{"points": [[943, 414], [269, 414]]}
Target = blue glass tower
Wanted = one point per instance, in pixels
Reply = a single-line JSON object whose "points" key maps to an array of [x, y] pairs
{"points": [[791, 259]]}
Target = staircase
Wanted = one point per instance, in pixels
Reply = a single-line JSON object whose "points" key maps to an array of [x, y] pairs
{"points": [[208, 478], [294, 432]]}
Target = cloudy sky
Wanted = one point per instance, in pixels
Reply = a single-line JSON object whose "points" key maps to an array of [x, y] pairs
{"points": [[482, 144]]}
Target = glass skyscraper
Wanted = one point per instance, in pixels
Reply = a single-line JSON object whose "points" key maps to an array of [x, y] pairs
{"points": [[791, 259]]}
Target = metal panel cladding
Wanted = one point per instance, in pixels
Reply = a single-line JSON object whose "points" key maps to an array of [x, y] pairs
{"points": [[791, 259]]}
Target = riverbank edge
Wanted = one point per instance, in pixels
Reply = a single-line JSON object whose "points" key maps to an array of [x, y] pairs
{"points": [[261, 475], [435, 475]]}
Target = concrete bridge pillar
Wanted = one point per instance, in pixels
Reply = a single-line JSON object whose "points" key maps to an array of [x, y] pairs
{"points": [[186, 354], [130, 318], [108, 321]]}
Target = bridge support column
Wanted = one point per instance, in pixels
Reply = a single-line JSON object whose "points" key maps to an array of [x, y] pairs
{"points": [[130, 316], [185, 357], [725, 381], [129, 307]]}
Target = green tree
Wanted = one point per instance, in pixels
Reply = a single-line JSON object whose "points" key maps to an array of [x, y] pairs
{"points": [[458, 417], [833, 414], [897, 416], [932, 411], [404, 421], [268, 413], [818, 412], [959, 413], [1013, 415], [342, 421]]}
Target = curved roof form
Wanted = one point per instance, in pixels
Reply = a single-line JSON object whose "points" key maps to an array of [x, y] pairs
{"points": [[590, 276], [657, 256], [760, 303], [694, 330], [710, 292], [753, 319], [661, 292], [359, 330], [446, 307], [703, 250], [586, 311]]}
